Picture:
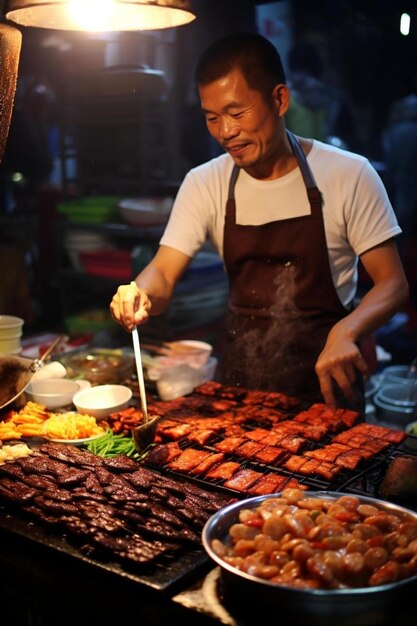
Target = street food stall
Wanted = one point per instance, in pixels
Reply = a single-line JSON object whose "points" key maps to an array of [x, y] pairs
{"points": [[91, 529]]}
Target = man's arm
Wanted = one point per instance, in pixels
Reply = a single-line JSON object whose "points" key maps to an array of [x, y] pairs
{"points": [[151, 291], [341, 357]]}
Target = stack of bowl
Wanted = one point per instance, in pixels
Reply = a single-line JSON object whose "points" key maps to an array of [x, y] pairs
{"points": [[396, 399], [11, 329]]}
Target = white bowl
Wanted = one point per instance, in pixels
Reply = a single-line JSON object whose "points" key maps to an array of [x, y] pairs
{"points": [[102, 400], [145, 211], [53, 392], [193, 353]]}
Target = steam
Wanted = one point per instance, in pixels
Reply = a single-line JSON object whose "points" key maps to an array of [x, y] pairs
{"points": [[262, 350]]}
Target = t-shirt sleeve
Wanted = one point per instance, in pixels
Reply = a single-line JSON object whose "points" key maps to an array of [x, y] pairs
{"points": [[370, 218]]}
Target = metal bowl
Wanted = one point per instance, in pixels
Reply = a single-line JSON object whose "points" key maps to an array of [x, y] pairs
{"points": [[247, 595]]}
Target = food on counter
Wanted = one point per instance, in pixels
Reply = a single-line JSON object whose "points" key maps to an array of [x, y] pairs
{"points": [[400, 479], [71, 425], [304, 541], [112, 445], [10, 452], [111, 508], [24, 423]]}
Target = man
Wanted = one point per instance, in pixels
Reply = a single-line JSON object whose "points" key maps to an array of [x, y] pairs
{"points": [[290, 217]]}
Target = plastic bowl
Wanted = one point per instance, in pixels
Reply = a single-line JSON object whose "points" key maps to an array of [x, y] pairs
{"points": [[53, 392], [396, 374], [402, 395], [395, 416], [10, 327], [102, 400]]}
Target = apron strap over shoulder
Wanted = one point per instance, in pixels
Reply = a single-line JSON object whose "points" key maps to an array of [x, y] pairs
{"points": [[313, 192]]}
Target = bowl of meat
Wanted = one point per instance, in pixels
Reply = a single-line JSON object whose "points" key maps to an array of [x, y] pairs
{"points": [[316, 557]]}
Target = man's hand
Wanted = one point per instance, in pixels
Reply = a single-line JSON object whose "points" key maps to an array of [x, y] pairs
{"points": [[130, 306], [339, 363]]}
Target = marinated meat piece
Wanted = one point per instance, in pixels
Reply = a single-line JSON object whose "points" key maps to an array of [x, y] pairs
{"points": [[40, 482], [257, 413], [269, 483], [175, 432], [224, 471], [209, 388], [271, 455], [12, 470], [143, 478], [120, 463], [310, 467], [70, 454], [325, 469], [229, 445], [295, 463], [258, 434], [351, 458], [381, 432], [72, 476], [271, 398], [202, 436], [293, 443], [16, 492], [163, 454], [208, 463], [248, 449], [54, 507], [104, 476], [188, 459], [214, 388], [242, 480], [92, 484], [293, 483], [328, 453], [362, 441], [233, 430]]}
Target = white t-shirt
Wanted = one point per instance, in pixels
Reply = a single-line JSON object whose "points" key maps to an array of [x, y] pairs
{"points": [[357, 212]]}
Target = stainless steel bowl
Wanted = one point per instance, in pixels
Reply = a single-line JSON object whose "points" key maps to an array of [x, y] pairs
{"points": [[246, 595]]}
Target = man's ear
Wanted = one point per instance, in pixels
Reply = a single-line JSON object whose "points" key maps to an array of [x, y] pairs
{"points": [[281, 97]]}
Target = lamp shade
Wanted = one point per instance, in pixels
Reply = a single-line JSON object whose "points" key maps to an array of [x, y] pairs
{"points": [[100, 15]]}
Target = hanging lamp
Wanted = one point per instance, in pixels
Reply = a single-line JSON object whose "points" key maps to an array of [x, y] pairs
{"points": [[100, 15]]}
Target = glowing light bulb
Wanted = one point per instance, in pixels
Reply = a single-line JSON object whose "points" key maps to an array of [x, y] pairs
{"points": [[405, 22], [92, 15]]}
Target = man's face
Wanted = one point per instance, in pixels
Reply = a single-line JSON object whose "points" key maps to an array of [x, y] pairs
{"points": [[242, 121]]}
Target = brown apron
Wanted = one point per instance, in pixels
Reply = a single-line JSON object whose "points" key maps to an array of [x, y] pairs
{"points": [[282, 300]]}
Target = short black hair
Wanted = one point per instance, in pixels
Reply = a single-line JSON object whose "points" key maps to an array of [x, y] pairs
{"points": [[256, 57]]}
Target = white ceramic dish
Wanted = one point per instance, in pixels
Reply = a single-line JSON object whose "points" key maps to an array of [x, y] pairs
{"points": [[54, 392], [102, 400]]}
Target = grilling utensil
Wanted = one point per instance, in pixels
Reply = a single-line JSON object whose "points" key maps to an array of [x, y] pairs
{"points": [[16, 373], [142, 435]]}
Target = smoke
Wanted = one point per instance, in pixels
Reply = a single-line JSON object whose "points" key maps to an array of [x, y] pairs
{"points": [[262, 350]]}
